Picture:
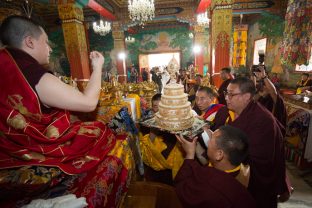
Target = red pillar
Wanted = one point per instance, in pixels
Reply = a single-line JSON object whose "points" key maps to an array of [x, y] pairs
{"points": [[221, 34], [199, 62]]}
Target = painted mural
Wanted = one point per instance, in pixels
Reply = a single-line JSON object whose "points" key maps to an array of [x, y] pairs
{"points": [[263, 29], [152, 41], [298, 32], [272, 26], [166, 40]]}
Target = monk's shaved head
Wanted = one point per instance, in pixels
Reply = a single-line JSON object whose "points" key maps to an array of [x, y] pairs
{"points": [[234, 143], [15, 28]]}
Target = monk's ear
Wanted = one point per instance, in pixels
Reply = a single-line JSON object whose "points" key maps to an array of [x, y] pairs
{"points": [[247, 96], [28, 42], [219, 155]]}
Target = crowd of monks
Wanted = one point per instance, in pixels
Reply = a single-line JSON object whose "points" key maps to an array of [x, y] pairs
{"points": [[251, 104]]}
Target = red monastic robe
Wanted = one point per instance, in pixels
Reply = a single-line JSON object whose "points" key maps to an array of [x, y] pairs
{"points": [[266, 153], [30, 137], [203, 186], [278, 109]]}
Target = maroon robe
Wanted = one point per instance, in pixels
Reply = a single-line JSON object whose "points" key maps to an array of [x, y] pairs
{"points": [[222, 88], [221, 118], [203, 186], [266, 154], [279, 110]]}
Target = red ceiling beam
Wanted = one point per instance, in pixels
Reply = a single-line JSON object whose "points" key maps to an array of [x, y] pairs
{"points": [[203, 5], [101, 10]]}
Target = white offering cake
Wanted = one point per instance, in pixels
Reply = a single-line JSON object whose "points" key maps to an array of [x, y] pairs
{"points": [[174, 109]]}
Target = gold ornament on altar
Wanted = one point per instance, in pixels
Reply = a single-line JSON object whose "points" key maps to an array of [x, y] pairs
{"points": [[149, 89], [111, 92]]}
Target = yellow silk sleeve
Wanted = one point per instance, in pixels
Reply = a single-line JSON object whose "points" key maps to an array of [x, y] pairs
{"points": [[151, 153], [152, 157]]}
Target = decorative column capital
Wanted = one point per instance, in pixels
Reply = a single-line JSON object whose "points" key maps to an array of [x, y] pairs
{"points": [[117, 31], [70, 13], [72, 18], [221, 4]]}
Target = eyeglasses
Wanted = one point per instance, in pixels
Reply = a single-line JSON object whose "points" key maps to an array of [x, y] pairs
{"points": [[230, 95]]}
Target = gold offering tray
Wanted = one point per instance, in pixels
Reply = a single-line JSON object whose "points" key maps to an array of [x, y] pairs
{"points": [[190, 132]]}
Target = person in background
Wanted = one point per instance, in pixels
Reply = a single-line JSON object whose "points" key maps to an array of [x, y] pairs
{"points": [[304, 84], [38, 134], [178, 76], [133, 75], [144, 75], [183, 79], [216, 185], [268, 96], [276, 81], [266, 150], [226, 76], [156, 77], [128, 74], [193, 88], [150, 112]]}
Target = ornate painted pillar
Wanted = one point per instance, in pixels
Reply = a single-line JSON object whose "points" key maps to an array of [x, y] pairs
{"points": [[72, 18], [199, 41], [119, 47], [221, 33]]}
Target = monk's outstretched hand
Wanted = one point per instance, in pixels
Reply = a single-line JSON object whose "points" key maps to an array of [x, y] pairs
{"points": [[188, 146], [97, 60]]}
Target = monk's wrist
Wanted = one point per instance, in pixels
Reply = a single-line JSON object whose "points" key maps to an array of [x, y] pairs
{"points": [[190, 156]]}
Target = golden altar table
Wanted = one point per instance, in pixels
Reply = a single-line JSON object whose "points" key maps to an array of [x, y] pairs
{"points": [[299, 131]]}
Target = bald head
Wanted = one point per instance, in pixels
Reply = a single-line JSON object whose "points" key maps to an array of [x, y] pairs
{"points": [[15, 29]]}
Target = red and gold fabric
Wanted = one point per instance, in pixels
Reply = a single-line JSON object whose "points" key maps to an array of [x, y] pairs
{"points": [[31, 137], [107, 183]]}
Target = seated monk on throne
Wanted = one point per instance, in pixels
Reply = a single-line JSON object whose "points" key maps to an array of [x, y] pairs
{"points": [[36, 132]]}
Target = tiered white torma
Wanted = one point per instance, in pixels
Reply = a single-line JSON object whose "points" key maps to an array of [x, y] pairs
{"points": [[174, 109]]}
